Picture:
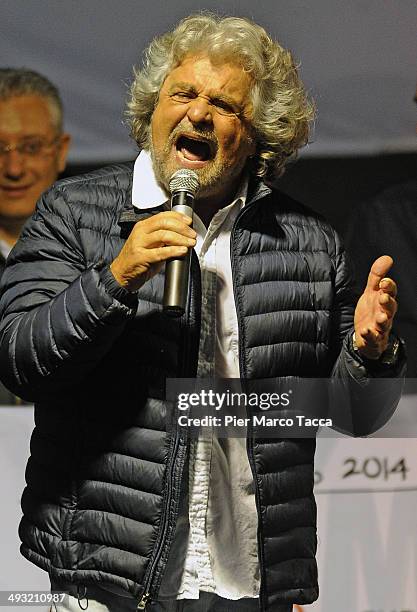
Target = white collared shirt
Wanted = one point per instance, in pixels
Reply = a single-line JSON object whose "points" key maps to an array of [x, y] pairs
{"points": [[5, 248], [222, 555]]}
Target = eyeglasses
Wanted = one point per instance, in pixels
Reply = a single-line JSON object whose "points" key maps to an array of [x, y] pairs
{"points": [[31, 147]]}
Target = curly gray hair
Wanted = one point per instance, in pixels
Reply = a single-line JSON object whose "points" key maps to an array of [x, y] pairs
{"points": [[282, 111], [22, 82]]}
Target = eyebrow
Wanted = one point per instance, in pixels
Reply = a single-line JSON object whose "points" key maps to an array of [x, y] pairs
{"points": [[216, 97]]}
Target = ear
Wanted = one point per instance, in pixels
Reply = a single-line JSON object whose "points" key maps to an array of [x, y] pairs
{"points": [[63, 148]]}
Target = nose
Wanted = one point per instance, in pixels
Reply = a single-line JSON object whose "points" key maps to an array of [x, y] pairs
{"points": [[13, 165], [200, 110]]}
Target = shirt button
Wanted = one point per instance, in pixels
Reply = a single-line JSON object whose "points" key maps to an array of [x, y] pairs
{"points": [[205, 301]]}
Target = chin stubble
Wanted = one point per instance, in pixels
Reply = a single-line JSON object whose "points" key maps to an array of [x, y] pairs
{"points": [[209, 177]]}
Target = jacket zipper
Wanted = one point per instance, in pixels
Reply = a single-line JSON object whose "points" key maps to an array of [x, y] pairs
{"points": [[249, 439], [162, 537], [146, 596], [148, 583], [143, 602], [249, 447]]}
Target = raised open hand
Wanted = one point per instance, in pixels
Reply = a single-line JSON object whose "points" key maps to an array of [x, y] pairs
{"points": [[375, 310]]}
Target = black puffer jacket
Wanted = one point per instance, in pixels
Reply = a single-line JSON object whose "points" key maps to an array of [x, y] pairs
{"points": [[103, 477], [6, 397]]}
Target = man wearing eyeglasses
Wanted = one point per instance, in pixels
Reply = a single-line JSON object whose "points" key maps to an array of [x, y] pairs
{"points": [[33, 148], [33, 151]]}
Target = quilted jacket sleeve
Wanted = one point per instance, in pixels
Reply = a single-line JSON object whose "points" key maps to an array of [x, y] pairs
{"points": [[58, 316], [364, 393]]}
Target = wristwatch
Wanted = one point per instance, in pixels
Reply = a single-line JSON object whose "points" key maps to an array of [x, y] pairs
{"points": [[388, 357]]}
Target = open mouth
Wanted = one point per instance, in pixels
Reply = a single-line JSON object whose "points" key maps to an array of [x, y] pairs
{"points": [[193, 149]]}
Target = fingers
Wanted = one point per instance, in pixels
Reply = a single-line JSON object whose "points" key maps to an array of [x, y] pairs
{"points": [[162, 238], [151, 242], [388, 304], [387, 285], [170, 221], [163, 253], [372, 339], [164, 229], [379, 270], [376, 309], [383, 321]]}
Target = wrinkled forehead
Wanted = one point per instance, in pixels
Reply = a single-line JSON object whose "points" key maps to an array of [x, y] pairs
{"points": [[218, 59], [222, 74]]}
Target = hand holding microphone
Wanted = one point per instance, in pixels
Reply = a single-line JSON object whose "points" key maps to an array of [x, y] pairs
{"points": [[153, 241], [183, 185]]}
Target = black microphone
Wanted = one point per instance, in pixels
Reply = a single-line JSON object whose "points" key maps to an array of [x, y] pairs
{"points": [[183, 185]]}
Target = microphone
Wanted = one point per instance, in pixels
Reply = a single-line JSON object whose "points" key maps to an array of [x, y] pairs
{"points": [[183, 185]]}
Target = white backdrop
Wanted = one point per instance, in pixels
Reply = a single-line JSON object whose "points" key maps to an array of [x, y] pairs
{"points": [[366, 496], [358, 58]]}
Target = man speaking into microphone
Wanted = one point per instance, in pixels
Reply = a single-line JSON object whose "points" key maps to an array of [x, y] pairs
{"points": [[122, 513]]}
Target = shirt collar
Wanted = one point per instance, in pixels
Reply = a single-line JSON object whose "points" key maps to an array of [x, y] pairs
{"points": [[146, 193], [5, 248]]}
